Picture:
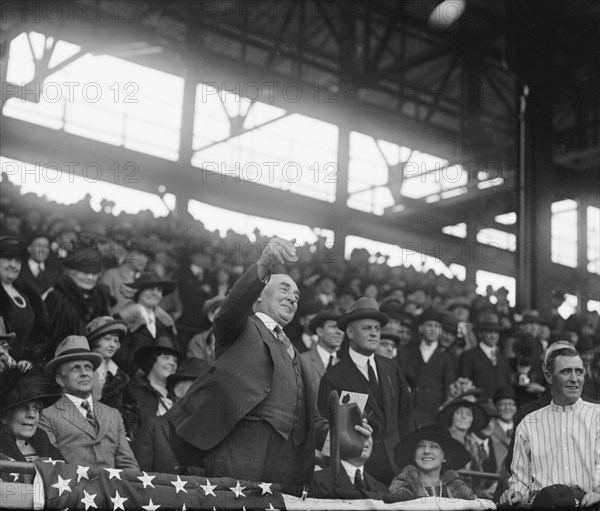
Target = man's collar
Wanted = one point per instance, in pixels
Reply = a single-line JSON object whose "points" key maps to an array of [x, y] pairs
{"points": [[351, 469], [360, 359], [268, 321], [488, 350], [78, 400], [568, 408], [324, 354]]}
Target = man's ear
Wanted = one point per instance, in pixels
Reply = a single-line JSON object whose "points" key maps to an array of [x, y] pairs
{"points": [[547, 374], [350, 331]]}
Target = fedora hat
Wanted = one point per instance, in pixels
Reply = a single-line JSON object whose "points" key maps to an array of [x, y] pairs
{"points": [[144, 356], [446, 414], [430, 315], [84, 258], [189, 369], [363, 308], [21, 383], [385, 334], [73, 347], [454, 452], [326, 314], [102, 325], [149, 279]]}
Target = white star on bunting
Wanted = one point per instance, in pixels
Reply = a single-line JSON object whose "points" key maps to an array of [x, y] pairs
{"points": [[62, 485], [179, 485], [208, 488], [266, 488], [146, 479], [271, 508], [151, 506], [114, 472], [238, 490], [88, 500], [82, 473], [118, 501]]}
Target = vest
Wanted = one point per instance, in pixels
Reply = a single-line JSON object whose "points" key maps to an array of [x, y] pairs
{"points": [[284, 408]]}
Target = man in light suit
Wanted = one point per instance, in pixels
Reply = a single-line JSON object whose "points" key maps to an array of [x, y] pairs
{"points": [[85, 431], [361, 370], [324, 353], [506, 403], [254, 414]]}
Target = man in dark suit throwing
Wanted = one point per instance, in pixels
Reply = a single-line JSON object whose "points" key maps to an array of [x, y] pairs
{"points": [[254, 413], [388, 405]]}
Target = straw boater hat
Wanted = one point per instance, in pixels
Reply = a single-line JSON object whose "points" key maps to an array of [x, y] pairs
{"points": [[454, 452], [363, 308], [21, 383], [74, 347]]}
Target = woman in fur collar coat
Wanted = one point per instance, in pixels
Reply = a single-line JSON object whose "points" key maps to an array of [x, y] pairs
{"points": [[430, 457]]}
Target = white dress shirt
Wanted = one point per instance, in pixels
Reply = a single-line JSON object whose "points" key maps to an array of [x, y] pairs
{"points": [[35, 267], [361, 362], [324, 354], [427, 350], [77, 402], [557, 445], [351, 470]]}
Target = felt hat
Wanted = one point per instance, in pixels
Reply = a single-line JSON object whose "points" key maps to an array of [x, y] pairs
{"points": [[73, 347], [84, 258], [11, 247], [506, 392], [393, 308], [459, 301], [102, 325], [486, 325], [446, 414], [363, 308], [189, 369], [326, 314], [430, 315], [148, 279], [309, 307], [21, 383], [144, 356], [558, 496], [454, 452], [388, 335]]}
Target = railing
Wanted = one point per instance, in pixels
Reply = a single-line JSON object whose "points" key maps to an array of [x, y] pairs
{"points": [[16, 495]]}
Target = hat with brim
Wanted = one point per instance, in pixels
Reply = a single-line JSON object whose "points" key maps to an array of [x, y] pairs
{"points": [[21, 383], [486, 326], [149, 279], [430, 315], [84, 258], [189, 369], [446, 415], [11, 247], [73, 347], [454, 452], [144, 356], [363, 308], [327, 314], [390, 336], [558, 496], [459, 301], [103, 325]]}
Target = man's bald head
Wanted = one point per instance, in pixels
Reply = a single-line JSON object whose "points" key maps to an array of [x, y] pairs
{"points": [[279, 299]]}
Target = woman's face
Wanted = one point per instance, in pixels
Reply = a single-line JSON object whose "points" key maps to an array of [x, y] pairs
{"points": [[429, 455], [150, 297], [9, 270], [108, 345], [462, 418], [84, 280], [22, 421], [164, 366]]}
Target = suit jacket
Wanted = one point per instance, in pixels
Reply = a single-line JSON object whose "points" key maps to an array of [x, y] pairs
{"points": [[76, 439], [326, 484], [429, 381], [475, 365], [391, 421], [501, 441], [241, 378], [315, 367], [44, 281]]}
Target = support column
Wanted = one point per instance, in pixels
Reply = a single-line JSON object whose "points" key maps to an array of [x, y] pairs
{"points": [[583, 294], [341, 187]]}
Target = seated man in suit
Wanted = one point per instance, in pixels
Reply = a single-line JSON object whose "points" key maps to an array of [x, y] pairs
{"points": [[323, 354], [361, 370], [254, 414], [85, 431]]}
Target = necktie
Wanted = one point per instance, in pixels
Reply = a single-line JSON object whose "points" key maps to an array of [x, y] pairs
{"points": [[330, 363], [359, 482], [494, 358], [89, 416], [280, 334], [371, 373]]}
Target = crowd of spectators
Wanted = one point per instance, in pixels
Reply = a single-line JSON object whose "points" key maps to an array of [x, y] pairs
{"points": [[137, 295]]}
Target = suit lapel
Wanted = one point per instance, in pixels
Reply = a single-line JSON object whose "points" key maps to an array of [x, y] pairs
{"points": [[74, 416], [354, 376], [387, 390]]}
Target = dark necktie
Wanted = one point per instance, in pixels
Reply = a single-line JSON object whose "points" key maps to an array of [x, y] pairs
{"points": [[359, 482], [89, 416], [330, 363], [494, 358], [280, 334], [371, 373]]}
